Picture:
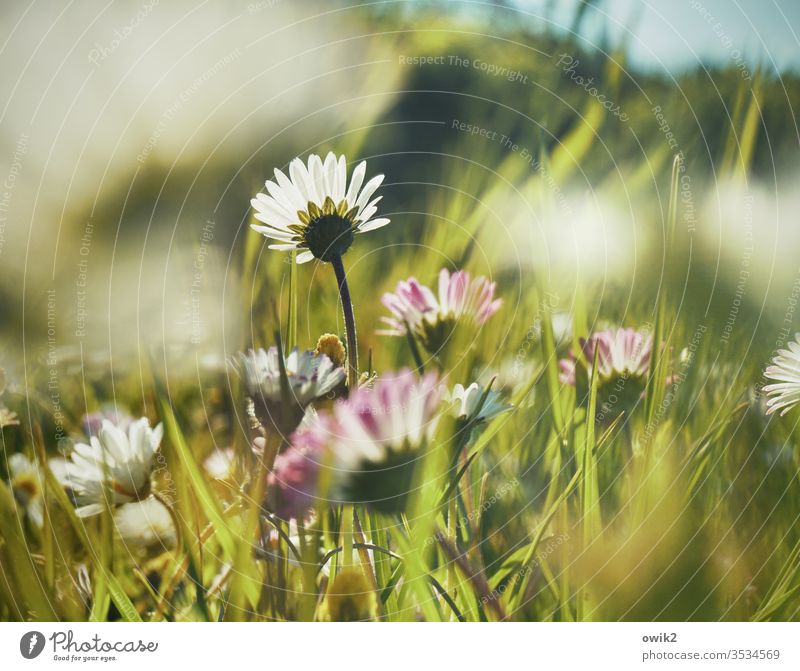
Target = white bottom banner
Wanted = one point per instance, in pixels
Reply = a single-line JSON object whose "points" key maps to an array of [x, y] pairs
{"points": [[393, 646]]}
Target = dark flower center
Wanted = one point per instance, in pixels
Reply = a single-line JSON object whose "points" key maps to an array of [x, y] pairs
{"points": [[329, 236]]}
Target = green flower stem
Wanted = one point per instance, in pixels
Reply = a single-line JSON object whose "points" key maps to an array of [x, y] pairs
{"points": [[176, 521], [452, 522], [347, 536], [412, 343], [349, 322]]}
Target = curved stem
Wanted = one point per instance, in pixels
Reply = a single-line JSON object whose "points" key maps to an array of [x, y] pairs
{"points": [[349, 322], [176, 522]]}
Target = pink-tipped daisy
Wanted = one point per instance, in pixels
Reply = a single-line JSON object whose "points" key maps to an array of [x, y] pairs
{"points": [[621, 353], [314, 210], [623, 361], [784, 394], [292, 485], [431, 318], [378, 436]]}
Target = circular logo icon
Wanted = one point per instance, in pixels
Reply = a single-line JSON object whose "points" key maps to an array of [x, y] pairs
{"points": [[31, 644]]}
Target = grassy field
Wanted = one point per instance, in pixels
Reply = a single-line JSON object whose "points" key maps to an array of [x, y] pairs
{"points": [[666, 493]]}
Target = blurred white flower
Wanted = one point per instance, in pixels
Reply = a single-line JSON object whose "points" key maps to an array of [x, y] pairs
{"points": [[26, 484], [785, 369], [314, 210], [219, 464], [7, 417], [115, 466], [145, 523]]}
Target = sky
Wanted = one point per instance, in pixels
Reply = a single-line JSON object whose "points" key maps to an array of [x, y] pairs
{"points": [[676, 34]]}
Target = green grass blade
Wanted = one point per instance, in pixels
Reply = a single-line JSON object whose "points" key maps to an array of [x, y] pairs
{"points": [[110, 583], [550, 358], [189, 468], [291, 328], [30, 588]]}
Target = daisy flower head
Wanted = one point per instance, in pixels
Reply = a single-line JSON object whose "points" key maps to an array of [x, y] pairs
{"points": [[279, 399], [432, 317], [621, 353], [314, 210], [26, 485], [115, 466], [623, 360], [379, 434], [465, 403], [784, 393]]}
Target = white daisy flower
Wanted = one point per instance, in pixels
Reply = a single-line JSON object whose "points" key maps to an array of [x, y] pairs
{"points": [[114, 464], [785, 369], [465, 400], [26, 484], [309, 377], [314, 210]]}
